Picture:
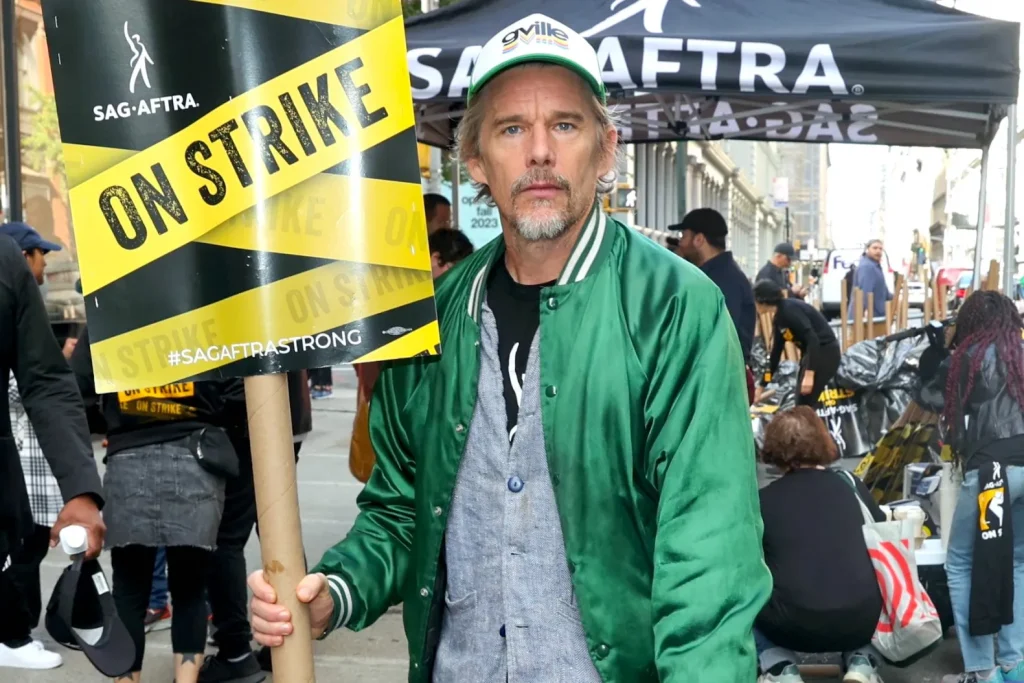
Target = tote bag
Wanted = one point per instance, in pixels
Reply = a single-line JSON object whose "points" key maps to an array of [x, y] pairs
{"points": [[909, 622]]}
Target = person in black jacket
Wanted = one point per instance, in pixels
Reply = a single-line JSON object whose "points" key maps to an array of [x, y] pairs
{"points": [[776, 267], [702, 242], [805, 326], [55, 409], [979, 391], [825, 596]]}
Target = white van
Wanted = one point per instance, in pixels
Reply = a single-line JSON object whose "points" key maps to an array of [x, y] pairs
{"points": [[837, 265]]}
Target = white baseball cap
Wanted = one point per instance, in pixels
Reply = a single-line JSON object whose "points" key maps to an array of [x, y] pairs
{"points": [[537, 38]]}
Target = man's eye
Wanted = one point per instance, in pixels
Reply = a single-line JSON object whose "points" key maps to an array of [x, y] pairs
{"points": [[565, 126], [513, 130]]}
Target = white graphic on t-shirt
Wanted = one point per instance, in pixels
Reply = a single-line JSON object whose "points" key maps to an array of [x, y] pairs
{"points": [[835, 426], [517, 386]]}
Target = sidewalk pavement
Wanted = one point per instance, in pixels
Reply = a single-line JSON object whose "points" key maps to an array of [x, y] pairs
{"points": [[327, 491]]}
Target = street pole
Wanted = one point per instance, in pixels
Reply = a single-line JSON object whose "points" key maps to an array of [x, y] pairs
{"points": [[12, 123], [1009, 258], [978, 275], [789, 233]]}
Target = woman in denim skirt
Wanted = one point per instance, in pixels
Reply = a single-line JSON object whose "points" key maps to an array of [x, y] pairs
{"points": [[158, 495]]}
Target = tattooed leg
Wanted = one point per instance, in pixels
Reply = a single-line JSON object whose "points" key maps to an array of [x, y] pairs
{"points": [[186, 666]]}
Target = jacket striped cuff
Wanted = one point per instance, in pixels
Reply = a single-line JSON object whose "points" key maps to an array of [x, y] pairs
{"points": [[342, 597]]}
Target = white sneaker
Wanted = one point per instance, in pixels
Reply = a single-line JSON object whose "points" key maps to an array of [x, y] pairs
{"points": [[31, 656]]}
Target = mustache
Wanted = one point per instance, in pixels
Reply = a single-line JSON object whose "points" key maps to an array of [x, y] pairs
{"points": [[531, 177]]}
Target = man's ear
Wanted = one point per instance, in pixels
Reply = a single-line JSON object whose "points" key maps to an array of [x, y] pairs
{"points": [[476, 170], [608, 149]]}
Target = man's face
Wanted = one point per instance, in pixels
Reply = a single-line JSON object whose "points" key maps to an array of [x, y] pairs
{"points": [[542, 149], [36, 263], [689, 244], [875, 252], [441, 219], [783, 261]]}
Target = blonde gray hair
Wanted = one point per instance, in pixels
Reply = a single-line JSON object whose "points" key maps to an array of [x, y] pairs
{"points": [[467, 137]]}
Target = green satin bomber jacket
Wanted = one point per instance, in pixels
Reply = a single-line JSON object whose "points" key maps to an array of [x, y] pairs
{"points": [[650, 451]]}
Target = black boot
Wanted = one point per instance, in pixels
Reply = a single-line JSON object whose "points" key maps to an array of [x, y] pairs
{"points": [[218, 670]]}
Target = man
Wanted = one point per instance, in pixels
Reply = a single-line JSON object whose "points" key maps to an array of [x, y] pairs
{"points": [[438, 211], [568, 493], [775, 269], [702, 243], [869, 278], [50, 398], [447, 248]]}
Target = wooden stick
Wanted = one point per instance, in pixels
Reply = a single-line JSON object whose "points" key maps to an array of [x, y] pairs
{"points": [[905, 309], [992, 283], [844, 318], [871, 316], [888, 315], [858, 315]]}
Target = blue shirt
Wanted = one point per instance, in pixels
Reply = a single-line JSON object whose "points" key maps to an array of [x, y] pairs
{"points": [[739, 296], [869, 277]]}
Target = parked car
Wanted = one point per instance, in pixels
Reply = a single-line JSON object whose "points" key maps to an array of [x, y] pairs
{"points": [[959, 293], [917, 292], [837, 265]]}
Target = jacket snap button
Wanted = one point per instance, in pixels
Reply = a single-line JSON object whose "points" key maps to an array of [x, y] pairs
{"points": [[552, 303], [603, 650], [551, 391], [438, 511], [424, 592], [460, 428]]}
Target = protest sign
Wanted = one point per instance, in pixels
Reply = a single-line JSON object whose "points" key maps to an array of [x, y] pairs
{"points": [[244, 185]]}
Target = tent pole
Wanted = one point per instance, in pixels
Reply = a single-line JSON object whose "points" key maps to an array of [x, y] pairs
{"points": [[981, 219], [1009, 258], [456, 200]]}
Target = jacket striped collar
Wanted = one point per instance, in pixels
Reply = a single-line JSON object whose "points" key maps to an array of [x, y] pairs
{"points": [[592, 243]]}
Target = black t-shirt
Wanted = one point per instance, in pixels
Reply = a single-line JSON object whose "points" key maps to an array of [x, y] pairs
{"points": [[516, 311], [805, 326], [825, 596], [159, 414]]}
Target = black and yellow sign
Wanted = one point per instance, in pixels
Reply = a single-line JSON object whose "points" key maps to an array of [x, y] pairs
{"points": [[162, 403], [244, 183]]}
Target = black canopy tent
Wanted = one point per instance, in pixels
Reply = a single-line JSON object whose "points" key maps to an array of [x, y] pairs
{"points": [[890, 72]]}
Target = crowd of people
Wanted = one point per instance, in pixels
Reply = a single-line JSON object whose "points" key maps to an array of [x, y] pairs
{"points": [[569, 492]]}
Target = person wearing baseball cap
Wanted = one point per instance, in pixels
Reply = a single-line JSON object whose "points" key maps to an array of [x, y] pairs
{"points": [[32, 245], [702, 242], [775, 269], [569, 492]]}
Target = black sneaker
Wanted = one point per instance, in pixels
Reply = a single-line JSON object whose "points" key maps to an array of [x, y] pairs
{"points": [[217, 670], [263, 657]]}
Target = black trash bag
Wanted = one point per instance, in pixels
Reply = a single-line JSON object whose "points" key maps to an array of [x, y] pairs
{"points": [[875, 364], [758, 358]]}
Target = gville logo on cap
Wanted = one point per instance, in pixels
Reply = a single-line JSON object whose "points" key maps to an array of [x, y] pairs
{"points": [[541, 32]]}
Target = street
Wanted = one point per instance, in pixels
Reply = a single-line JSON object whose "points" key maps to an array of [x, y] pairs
{"points": [[377, 655]]}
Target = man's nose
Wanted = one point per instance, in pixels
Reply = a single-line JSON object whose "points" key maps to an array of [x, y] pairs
{"points": [[541, 152]]}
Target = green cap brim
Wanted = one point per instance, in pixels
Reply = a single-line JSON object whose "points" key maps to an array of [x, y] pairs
{"points": [[595, 85]]}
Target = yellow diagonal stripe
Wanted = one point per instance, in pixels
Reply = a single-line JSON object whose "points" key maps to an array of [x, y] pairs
{"points": [[325, 216], [295, 308], [365, 14], [366, 82], [82, 162], [412, 344], [321, 217]]}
